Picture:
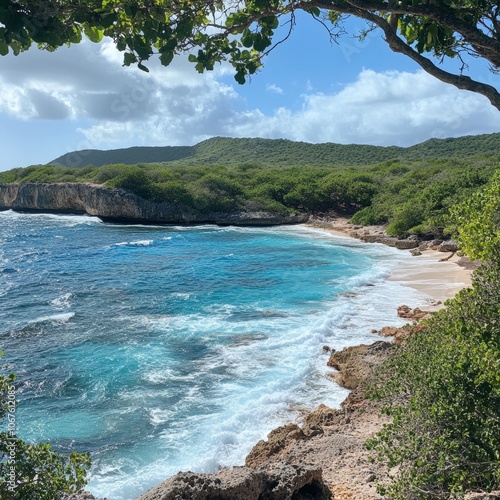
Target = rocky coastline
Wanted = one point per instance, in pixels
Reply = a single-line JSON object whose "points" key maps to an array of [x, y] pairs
{"points": [[325, 456], [121, 206]]}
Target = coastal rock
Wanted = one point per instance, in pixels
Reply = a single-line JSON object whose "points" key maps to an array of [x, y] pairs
{"points": [[415, 252], [355, 365], [409, 313], [434, 244], [322, 416], [278, 482], [400, 335], [406, 244], [389, 331], [276, 441], [119, 205], [82, 495], [448, 246]]}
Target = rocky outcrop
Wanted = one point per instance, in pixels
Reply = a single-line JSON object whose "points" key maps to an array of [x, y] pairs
{"points": [[415, 314], [355, 365], [82, 495], [118, 205], [276, 441], [277, 482]]}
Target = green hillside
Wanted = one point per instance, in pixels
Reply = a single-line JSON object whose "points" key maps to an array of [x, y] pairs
{"points": [[128, 156], [280, 152]]}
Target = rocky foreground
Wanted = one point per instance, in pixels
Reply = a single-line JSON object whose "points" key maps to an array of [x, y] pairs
{"points": [[323, 458]]}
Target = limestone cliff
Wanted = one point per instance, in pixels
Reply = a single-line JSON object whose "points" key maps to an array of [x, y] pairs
{"points": [[119, 205]]}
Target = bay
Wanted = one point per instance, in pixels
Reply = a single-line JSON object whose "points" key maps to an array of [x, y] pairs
{"points": [[161, 349]]}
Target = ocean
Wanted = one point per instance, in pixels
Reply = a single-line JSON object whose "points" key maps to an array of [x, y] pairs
{"points": [[168, 348]]}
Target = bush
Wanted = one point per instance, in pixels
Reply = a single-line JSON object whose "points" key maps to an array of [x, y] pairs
{"points": [[443, 388], [33, 471], [443, 391]]}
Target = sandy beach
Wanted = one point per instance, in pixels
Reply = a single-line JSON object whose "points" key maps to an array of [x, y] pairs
{"points": [[438, 275]]}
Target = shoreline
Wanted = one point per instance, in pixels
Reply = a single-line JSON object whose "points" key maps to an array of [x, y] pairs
{"points": [[329, 443], [439, 275]]}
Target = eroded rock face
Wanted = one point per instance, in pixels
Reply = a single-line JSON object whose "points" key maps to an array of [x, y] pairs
{"points": [[277, 482], [355, 365], [118, 205], [276, 441]]}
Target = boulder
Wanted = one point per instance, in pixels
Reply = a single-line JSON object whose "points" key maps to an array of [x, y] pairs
{"points": [[322, 416], [82, 495], [276, 441], [279, 482], [409, 313], [434, 244], [355, 364], [448, 246], [389, 331], [406, 244]]}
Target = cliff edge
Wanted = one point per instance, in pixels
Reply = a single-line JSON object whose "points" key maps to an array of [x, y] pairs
{"points": [[119, 205]]}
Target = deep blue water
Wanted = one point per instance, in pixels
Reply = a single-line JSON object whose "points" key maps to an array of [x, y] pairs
{"points": [[162, 349]]}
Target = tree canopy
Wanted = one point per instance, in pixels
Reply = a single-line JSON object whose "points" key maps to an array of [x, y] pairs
{"points": [[242, 32]]}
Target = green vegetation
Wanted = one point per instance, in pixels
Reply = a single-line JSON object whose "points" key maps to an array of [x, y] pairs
{"points": [[244, 33], [412, 197], [283, 153], [443, 387], [33, 471]]}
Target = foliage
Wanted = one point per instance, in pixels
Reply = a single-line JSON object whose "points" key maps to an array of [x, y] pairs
{"points": [[443, 387], [443, 391], [283, 153], [33, 471], [478, 220], [243, 33], [413, 197]]}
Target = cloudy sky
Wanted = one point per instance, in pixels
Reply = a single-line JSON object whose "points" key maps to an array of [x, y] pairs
{"points": [[310, 90]]}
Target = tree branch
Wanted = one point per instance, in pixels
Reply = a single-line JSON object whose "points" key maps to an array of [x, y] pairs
{"points": [[398, 45], [486, 46]]}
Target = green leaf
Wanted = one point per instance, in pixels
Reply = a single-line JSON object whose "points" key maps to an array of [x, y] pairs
{"points": [[166, 58], [240, 77], [4, 48], [261, 42], [129, 58], [93, 34]]}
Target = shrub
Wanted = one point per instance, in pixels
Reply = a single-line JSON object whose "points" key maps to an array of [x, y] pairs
{"points": [[33, 471]]}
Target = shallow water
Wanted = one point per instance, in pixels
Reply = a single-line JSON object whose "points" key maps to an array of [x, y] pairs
{"points": [[162, 349]]}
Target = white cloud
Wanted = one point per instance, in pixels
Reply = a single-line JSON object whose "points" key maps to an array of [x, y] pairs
{"points": [[111, 106], [274, 88], [391, 108]]}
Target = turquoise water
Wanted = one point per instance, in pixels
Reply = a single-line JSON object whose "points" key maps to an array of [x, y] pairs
{"points": [[162, 349]]}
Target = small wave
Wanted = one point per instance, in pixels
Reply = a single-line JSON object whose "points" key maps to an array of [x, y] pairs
{"points": [[138, 243], [158, 416], [167, 375], [72, 219], [62, 302], [55, 318]]}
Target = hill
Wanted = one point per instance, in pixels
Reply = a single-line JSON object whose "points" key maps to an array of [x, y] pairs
{"points": [[127, 156], [280, 152]]}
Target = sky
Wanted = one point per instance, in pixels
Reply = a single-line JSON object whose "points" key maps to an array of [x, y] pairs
{"points": [[81, 97]]}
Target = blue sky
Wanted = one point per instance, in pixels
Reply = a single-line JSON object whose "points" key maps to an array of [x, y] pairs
{"points": [[310, 90]]}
